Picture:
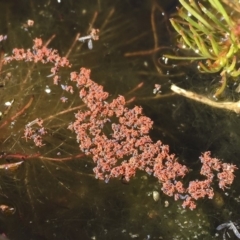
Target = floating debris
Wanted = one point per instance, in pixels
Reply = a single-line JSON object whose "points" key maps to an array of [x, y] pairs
{"points": [[156, 196], [7, 210], [231, 226], [94, 35]]}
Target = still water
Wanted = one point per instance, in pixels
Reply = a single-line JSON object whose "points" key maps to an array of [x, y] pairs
{"points": [[53, 193]]}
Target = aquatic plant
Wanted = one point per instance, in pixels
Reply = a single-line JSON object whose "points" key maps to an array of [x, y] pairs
{"points": [[212, 34]]}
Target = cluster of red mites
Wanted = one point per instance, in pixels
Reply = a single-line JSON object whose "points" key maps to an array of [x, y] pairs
{"points": [[118, 140], [40, 53]]}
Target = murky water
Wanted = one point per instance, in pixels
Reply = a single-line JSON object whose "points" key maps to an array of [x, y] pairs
{"points": [[45, 198]]}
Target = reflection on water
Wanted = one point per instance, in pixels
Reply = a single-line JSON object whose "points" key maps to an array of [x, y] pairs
{"points": [[44, 199]]}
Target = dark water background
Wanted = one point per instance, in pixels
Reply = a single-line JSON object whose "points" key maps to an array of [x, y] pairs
{"points": [[63, 200]]}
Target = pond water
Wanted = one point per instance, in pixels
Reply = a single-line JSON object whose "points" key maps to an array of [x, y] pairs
{"points": [[53, 193]]}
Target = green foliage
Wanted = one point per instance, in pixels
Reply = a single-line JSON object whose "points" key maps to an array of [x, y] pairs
{"points": [[212, 34]]}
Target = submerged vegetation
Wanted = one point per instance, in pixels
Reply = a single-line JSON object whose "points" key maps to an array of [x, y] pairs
{"points": [[213, 34]]}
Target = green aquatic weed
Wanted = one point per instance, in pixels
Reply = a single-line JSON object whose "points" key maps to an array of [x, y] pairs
{"points": [[212, 34]]}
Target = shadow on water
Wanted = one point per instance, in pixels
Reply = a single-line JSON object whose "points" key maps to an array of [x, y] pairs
{"points": [[44, 199]]}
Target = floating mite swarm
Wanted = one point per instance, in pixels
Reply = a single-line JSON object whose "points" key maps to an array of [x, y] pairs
{"points": [[128, 147]]}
